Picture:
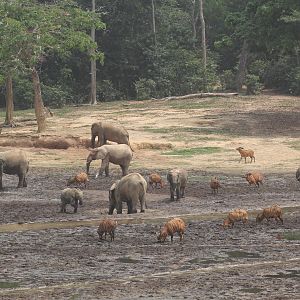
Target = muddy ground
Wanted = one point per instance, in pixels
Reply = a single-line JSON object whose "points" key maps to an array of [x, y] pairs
{"points": [[45, 254], [246, 262]]}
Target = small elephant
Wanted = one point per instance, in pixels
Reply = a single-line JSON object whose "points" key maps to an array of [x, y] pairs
{"points": [[130, 189], [119, 154], [70, 196], [106, 131], [177, 179], [14, 162]]}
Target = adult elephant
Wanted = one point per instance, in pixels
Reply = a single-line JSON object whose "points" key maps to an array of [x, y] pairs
{"points": [[106, 131], [119, 154], [130, 189], [178, 180], [14, 162]]}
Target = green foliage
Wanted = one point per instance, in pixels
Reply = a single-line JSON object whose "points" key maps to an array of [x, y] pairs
{"points": [[107, 92], [55, 96], [228, 80], [23, 92], [294, 81], [145, 88], [194, 151], [254, 87]]}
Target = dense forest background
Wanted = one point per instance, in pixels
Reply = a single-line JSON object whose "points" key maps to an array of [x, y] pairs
{"points": [[147, 49]]}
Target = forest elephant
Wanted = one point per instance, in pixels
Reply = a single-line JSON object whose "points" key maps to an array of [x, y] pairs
{"points": [[177, 179], [14, 162], [71, 196], [119, 154], [106, 131], [130, 189]]}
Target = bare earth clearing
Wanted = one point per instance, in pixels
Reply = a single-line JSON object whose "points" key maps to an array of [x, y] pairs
{"points": [[49, 255]]}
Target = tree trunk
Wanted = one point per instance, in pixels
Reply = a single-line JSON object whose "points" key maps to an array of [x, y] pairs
{"points": [[242, 66], [93, 64], [203, 34], [9, 102], [153, 23], [194, 22], [38, 102]]}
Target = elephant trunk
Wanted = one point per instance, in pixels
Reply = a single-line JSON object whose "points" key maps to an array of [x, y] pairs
{"points": [[88, 162]]}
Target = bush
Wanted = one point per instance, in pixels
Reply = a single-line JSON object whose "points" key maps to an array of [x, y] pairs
{"points": [[254, 87], [107, 92], [23, 92], [55, 96], [145, 88], [294, 81], [228, 80]]}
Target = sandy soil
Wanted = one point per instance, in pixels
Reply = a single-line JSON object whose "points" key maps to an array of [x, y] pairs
{"points": [[49, 255]]}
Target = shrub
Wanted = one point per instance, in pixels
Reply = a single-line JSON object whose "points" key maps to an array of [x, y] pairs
{"points": [[254, 87], [294, 81], [107, 92], [145, 88], [228, 80], [55, 96]]}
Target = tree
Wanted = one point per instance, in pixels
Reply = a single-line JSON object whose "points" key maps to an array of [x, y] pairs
{"points": [[46, 29], [203, 34], [93, 63]]}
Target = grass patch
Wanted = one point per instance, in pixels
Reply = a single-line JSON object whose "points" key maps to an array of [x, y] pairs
{"points": [[292, 236], [194, 151], [8, 285], [194, 130], [295, 145], [191, 105], [19, 113]]}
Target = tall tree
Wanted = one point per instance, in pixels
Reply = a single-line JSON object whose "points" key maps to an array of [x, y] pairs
{"points": [[45, 29], [203, 34], [93, 63]]}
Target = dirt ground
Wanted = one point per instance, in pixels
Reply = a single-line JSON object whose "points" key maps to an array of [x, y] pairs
{"points": [[49, 255]]}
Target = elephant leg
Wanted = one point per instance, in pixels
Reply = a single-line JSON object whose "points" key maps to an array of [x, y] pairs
{"points": [[75, 206], [182, 192], [25, 181], [111, 209], [124, 170], [143, 203], [107, 170], [104, 165], [177, 193], [62, 208], [21, 180], [93, 141], [1, 173], [129, 207], [172, 193], [119, 207]]}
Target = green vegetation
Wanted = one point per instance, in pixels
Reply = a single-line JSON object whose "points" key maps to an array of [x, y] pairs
{"points": [[292, 236], [194, 151], [9, 285], [295, 145]]}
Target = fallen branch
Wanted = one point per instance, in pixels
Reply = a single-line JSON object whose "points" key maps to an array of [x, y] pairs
{"points": [[200, 95]]}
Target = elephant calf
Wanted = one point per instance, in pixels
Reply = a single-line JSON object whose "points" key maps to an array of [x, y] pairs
{"points": [[71, 196], [177, 179], [130, 189], [119, 154], [14, 162]]}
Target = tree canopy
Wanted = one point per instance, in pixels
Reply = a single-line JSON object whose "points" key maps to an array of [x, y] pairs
{"points": [[138, 62]]}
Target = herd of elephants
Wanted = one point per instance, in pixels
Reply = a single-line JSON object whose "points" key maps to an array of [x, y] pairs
{"points": [[132, 187]]}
